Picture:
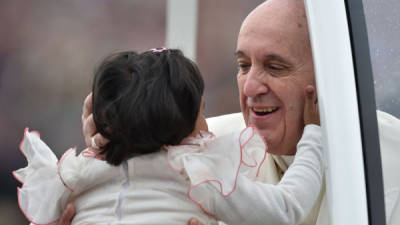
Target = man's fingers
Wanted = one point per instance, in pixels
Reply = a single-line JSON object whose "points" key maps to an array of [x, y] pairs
{"points": [[88, 126], [91, 135], [315, 100], [97, 141], [89, 129], [92, 138], [311, 115], [68, 215], [87, 107], [194, 221], [100, 140]]}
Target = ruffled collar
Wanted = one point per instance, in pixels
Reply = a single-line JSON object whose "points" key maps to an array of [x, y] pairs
{"points": [[281, 161], [201, 138]]}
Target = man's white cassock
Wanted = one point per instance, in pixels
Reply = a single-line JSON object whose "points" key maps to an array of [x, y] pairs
{"points": [[275, 166]]}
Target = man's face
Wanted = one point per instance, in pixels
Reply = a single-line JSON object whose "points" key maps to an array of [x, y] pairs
{"points": [[275, 65]]}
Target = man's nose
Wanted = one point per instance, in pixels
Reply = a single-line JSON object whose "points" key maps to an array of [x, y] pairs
{"points": [[254, 84]]}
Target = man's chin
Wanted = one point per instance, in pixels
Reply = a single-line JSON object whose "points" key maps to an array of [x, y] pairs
{"points": [[275, 145], [280, 148], [275, 151], [265, 130]]}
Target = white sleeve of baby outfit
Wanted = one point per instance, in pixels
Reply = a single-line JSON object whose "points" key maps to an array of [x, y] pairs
{"points": [[44, 192], [288, 202]]}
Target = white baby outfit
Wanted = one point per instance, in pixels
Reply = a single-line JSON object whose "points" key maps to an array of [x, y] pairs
{"points": [[206, 177]]}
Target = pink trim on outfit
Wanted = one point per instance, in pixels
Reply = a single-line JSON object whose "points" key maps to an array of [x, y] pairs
{"points": [[202, 137], [59, 167], [243, 145], [15, 176], [88, 153], [189, 141], [266, 149], [179, 170], [26, 216], [26, 130], [242, 151], [22, 187]]}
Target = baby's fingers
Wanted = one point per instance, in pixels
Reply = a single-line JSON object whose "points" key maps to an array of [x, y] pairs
{"points": [[311, 115], [310, 97]]}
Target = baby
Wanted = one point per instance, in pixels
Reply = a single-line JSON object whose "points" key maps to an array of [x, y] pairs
{"points": [[161, 165]]}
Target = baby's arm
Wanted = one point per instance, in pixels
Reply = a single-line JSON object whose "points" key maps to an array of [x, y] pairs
{"points": [[290, 201]]}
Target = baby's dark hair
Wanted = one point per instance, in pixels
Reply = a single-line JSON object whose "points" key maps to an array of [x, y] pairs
{"points": [[142, 101]]}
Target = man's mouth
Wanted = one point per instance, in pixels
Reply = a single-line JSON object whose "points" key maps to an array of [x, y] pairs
{"points": [[262, 111]]}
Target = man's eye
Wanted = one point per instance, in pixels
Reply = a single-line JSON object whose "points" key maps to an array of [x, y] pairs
{"points": [[243, 67], [274, 66]]}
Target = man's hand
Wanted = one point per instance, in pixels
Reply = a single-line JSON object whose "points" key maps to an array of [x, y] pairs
{"points": [[194, 221], [68, 215], [89, 128], [311, 113]]}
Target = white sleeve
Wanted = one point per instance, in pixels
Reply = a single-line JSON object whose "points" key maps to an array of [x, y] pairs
{"points": [[288, 202], [43, 193]]}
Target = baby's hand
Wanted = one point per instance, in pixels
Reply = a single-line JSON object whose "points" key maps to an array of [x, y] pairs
{"points": [[311, 114]]}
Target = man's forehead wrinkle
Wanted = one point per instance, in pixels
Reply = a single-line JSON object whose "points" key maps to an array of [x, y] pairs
{"points": [[276, 57], [272, 45], [276, 27]]}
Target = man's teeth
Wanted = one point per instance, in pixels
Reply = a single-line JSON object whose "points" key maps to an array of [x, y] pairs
{"points": [[265, 110]]}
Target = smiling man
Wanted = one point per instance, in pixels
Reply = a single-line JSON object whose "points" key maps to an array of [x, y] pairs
{"points": [[275, 65]]}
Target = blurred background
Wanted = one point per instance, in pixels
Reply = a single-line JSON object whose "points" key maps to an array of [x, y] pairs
{"points": [[49, 49]]}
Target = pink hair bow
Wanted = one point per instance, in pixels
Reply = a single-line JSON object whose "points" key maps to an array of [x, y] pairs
{"points": [[159, 49]]}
